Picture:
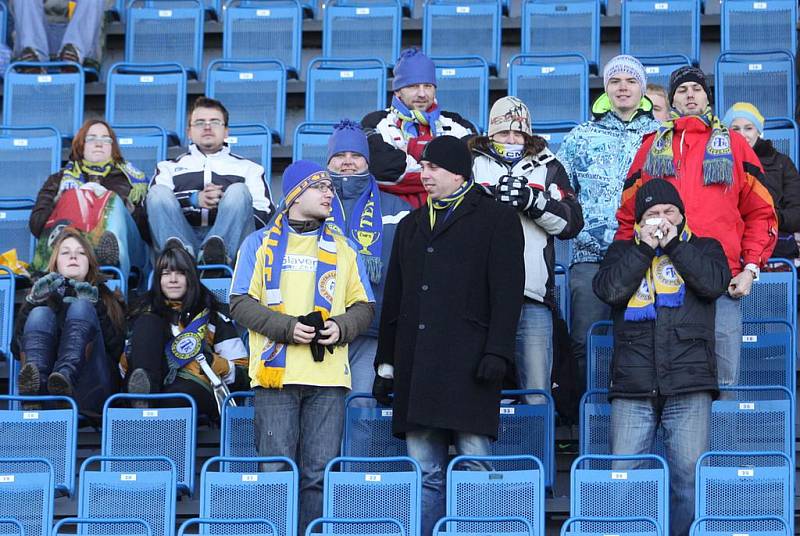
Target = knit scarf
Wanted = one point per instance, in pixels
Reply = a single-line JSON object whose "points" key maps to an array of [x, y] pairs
{"points": [[718, 159], [364, 225], [661, 286], [76, 174], [273, 356], [185, 346], [449, 203], [411, 118]]}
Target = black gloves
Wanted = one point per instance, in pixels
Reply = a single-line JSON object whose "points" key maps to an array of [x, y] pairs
{"points": [[382, 388], [315, 320], [491, 369], [514, 191]]}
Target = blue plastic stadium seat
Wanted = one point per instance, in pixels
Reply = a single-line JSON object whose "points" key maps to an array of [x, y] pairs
{"points": [[27, 493], [11, 527], [145, 486], [619, 486], [362, 29], [766, 79], [227, 525], [600, 348], [751, 26], [374, 493], [562, 292], [116, 280], [652, 28], [47, 433], [562, 27], [168, 432], [528, 428], [735, 525], [354, 527], [128, 527], [264, 29], [14, 230], [252, 493], [497, 486], [596, 526], [745, 484], [767, 354], [462, 86], [142, 145], [463, 29], [658, 68], [7, 290], [159, 32], [253, 91], [557, 85], [54, 98], [344, 88], [487, 526], [153, 94], [28, 155], [311, 142], [368, 430], [783, 133], [237, 430], [554, 134], [254, 142], [219, 286]]}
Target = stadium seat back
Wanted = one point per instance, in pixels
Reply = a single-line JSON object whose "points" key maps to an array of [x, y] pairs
{"points": [[359, 30], [28, 155], [747, 26], [560, 83], [462, 86], [254, 142], [144, 146], [652, 28], [27, 494], [462, 29], [344, 89], [766, 80], [552, 27], [311, 142]]}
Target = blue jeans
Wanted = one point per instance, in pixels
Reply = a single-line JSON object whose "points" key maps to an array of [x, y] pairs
{"points": [[75, 349], [686, 420], [304, 423], [728, 340], [233, 223], [535, 349], [430, 448], [587, 309], [361, 353], [83, 30], [132, 249]]}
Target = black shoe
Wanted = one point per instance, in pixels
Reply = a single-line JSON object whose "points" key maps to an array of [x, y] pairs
{"points": [[29, 55], [28, 381], [59, 385], [108, 250], [70, 54], [213, 252], [139, 383]]}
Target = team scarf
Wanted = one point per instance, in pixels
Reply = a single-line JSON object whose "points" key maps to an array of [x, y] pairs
{"points": [[411, 118], [364, 225], [661, 286], [510, 152], [718, 159], [76, 174], [449, 203], [185, 346], [273, 356]]}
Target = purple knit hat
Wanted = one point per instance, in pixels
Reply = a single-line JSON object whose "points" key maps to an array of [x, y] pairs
{"points": [[348, 136], [413, 67]]}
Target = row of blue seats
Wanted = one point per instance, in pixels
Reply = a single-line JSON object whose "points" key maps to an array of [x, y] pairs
{"points": [[254, 91], [506, 498], [173, 30]]}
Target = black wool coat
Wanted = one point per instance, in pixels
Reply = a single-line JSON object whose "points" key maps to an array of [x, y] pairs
{"points": [[452, 296]]}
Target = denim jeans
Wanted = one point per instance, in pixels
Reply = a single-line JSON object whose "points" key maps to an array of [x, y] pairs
{"points": [[728, 340], [83, 29], [361, 353], [587, 309], [304, 423], [54, 348], [132, 248], [535, 349], [686, 420], [233, 223], [430, 448]]}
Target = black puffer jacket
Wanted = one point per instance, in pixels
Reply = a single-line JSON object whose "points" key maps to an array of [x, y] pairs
{"points": [[673, 354], [783, 182]]}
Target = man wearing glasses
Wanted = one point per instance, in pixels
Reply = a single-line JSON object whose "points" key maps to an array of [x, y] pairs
{"points": [[207, 199]]}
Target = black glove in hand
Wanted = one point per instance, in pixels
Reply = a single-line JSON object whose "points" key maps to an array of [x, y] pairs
{"points": [[84, 290], [45, 286], [314, 320], [514, 191], [491, 369], [382, 388]]}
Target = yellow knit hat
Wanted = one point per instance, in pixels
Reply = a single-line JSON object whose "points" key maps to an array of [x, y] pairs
{"points": [[744, 110]]}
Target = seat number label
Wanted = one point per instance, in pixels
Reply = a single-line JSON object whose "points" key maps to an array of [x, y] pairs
{"points": [[619, 475], [372, 478]]}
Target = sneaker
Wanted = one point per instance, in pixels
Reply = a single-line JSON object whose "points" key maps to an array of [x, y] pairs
{"points": [[107, 250], [139, 383], [213, 252]]}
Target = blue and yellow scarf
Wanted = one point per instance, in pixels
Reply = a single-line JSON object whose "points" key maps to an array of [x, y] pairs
{"points": [[365, 226], [449, 203], [76, 174], [184, 347], [661, 286], [411, 118]]}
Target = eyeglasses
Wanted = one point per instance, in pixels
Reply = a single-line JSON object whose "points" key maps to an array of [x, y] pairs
{"points": [[213, 123], [322, 187], [105, 140]]}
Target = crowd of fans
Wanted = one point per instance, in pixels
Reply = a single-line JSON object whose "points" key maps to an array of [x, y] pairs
{"points": [[418, 264]]}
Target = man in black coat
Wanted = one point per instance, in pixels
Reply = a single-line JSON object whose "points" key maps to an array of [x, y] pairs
{"points": [[452, 301], [662, 286]]}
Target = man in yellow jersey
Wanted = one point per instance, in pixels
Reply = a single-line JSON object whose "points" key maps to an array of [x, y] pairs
{"points": [[303, 293]]}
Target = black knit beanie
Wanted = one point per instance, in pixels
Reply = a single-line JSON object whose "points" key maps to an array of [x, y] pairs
{"points": [[656, 192], [450, 153], [688, 74]]}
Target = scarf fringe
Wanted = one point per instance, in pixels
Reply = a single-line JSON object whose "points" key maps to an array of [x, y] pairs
{"points": [[718, 171], [640, 314], [671, 300], [270, 377], [659, 166], [374, 268]]}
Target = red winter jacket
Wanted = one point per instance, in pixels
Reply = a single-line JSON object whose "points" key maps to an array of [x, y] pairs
{"points": [[742, 216]]}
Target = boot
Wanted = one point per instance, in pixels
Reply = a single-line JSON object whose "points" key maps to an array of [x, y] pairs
{"points": [[139, 384], [74, 350]]}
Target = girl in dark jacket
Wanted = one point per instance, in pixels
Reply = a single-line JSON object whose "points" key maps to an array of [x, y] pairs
{"points": [[70, 329], [780, 175], [115, 223], [178, 320]]}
